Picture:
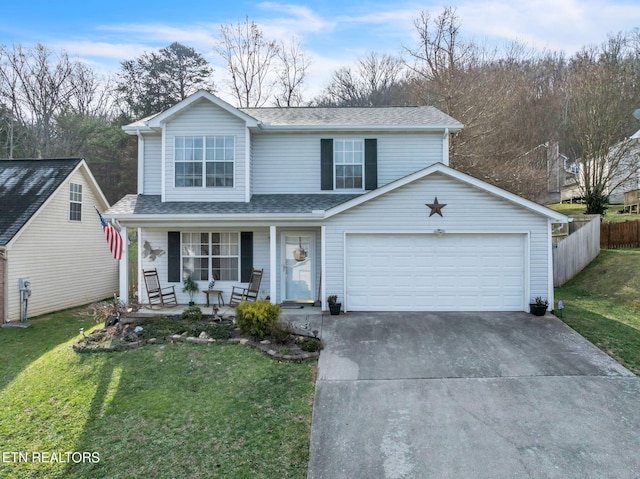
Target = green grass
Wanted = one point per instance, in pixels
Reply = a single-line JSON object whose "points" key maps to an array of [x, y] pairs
{"points": [[602, 303], [167, 410], [612, 215]]}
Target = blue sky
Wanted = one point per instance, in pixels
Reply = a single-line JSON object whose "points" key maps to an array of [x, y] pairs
{"points": [[333, 33]]}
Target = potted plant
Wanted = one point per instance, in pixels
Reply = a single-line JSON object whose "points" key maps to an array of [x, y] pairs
{"points": [[539, 306], [334, 306], [191, 287]]}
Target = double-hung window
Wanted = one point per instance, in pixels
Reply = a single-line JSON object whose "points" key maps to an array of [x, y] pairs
{"points": [[204, 160], [207, 256], [349, 164], [219, 159], [75, 202]]}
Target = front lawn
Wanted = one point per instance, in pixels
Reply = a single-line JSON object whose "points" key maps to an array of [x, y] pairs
{"points": [[167, 410], [602, 303]]}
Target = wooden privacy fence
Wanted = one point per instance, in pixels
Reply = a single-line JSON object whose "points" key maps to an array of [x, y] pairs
{"points": [[572, 254], [620, 235]]}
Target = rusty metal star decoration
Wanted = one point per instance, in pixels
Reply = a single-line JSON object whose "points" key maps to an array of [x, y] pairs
{"points": [[436, 207]]}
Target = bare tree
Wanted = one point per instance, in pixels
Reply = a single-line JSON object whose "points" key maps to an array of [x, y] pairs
{"points": [[248, 57], [603, 92], [36, 84], [292, 74], [376, 80]]}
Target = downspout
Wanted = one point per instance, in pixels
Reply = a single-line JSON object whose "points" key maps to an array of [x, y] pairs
{"points": [[248, 178], [140, 163], [163, 160], [445, 147], [5, 307], [550, 266]]}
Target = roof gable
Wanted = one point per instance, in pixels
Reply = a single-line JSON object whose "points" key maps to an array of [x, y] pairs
{"points": [[156, 121], [462, 177], [26, 185]]}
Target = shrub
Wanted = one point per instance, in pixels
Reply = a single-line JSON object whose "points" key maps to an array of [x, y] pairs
{"points": [[311, 345], [192, 313], [281, 332], [257, 318]]}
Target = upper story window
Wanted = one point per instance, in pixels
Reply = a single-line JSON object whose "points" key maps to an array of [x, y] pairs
{"points": [[204, 160], [349, 164], [75, 202]]}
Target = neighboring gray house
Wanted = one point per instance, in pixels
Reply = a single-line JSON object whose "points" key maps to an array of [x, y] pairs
{"points": [[624, 177], [367, 193], [51, 235], [627, 178]]}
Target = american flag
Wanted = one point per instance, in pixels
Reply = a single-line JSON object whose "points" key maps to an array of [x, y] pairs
{"points": [[114, 240]]}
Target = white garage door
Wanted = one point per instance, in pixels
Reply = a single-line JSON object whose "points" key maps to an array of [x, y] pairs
{"points": [[466, 272]]}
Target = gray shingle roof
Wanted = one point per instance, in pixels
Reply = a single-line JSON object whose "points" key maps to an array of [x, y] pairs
{"points": [[353, 116], [259, 204], [24, 187], [385, 117]]}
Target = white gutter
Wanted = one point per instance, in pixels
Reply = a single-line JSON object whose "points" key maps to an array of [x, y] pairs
{"points": [[209, 218], [296, 128]]}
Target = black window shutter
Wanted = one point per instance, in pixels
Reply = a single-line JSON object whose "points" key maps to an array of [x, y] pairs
{"points": [[326, 164], [370, 164], [246, 255], [173, 256]]}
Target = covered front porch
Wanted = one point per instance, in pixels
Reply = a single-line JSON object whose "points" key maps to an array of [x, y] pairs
{"points": [[219, 256]]}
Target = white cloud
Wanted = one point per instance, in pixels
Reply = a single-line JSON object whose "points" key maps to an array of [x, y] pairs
{"points": [[199, 36], [333, 40], [566, 25]]}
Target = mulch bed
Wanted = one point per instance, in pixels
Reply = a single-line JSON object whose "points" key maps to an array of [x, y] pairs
{"points": [[123, 335]]}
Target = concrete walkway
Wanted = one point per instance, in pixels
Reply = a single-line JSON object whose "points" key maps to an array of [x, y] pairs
{"points": [[469, 395]]}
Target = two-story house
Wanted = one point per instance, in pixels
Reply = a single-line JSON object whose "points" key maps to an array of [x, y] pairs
{"points": [[356, 202]]}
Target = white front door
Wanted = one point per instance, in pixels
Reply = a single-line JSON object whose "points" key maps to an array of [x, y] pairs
{"points": [[298, 279]]}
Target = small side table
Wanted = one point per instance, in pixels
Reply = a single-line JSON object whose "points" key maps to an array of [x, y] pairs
{"points": [[217, 292]]}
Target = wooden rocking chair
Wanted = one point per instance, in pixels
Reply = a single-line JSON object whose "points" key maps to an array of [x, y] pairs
{"points": [[250, 293], [158, 295]]}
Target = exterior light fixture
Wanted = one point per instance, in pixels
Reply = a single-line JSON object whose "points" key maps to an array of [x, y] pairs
{"points": [[299, 254]]}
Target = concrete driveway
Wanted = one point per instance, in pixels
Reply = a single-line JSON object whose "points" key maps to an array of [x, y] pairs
{"points": [[469, 395]]}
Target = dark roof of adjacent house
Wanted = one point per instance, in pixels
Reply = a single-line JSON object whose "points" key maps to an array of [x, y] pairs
{"points": [[259, 204], [25, 185]]}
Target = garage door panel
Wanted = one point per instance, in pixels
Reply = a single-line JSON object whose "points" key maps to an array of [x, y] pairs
{"points": [[437, 273]]}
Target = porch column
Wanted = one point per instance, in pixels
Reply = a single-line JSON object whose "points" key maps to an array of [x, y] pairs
{"points": [[124, 267], [273, 265]]}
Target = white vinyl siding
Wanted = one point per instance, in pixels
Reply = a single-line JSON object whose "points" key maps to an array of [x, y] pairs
{"points": [[68, 262], [290, 163], [205, 120], [468, 211], [152, 181]]}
